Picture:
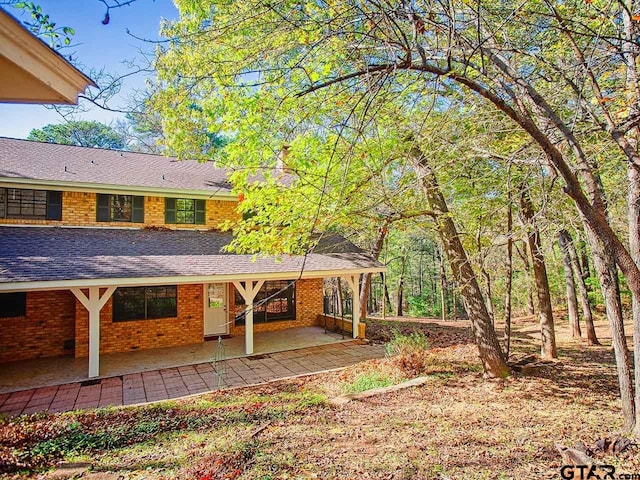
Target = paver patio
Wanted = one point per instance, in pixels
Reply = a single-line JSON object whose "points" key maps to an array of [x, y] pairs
{"points": [[180, 381]]}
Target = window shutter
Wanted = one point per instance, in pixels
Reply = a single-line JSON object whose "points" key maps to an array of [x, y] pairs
{"points": [[137, 210], [169, 210], [54, 205], [102, 211], [3, 203], [201, 207]]}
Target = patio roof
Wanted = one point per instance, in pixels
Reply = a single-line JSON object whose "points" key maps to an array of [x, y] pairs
{"points": [[43, 258]]}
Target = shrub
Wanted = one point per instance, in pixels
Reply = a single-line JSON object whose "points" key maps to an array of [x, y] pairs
{"points": [[408, 352], [402, 344]]}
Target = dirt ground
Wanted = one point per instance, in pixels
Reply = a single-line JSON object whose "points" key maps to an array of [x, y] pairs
{"points": [[455, 426]]}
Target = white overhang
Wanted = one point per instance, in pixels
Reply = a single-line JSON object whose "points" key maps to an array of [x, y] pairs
{"points": [[180, 280], [32, 72], [34, 184]]}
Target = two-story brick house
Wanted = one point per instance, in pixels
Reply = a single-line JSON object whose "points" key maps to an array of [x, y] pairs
{"points": [[105, 251]]}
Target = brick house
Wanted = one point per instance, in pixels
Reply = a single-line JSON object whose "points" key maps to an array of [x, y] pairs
{"points": [[104, 251]]}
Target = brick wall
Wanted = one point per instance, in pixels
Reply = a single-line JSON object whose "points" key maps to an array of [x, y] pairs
{"points": [[187, 328], [79, 208], [49, 322], [57, 316], [337, 324], [308, 306], [217, 212]]}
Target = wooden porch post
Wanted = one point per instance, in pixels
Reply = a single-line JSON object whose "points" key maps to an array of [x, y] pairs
{"points": [[354, 283], [248, 291], [94, 303]]}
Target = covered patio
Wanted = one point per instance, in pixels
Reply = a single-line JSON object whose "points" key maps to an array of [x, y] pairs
{"points": [[50, 371], [44, 259]]}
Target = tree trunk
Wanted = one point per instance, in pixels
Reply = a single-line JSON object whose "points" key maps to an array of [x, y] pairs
{"points": [[585, 268], [572, 300], [545, 312], [386, 299], [420, 276], [339, 297], [400, 294], [454, 314], [365, 293], [608, 276], [443, 290], [607, 250], [372, 300], [487, 281], [485, 275], [634, 249], [375, 253], [484, 334], [583, 290], [631, 54], [433, 284], [509, 283], [524, 256]]}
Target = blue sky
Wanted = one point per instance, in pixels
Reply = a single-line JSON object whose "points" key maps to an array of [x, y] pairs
{"points": [[95, 45]]}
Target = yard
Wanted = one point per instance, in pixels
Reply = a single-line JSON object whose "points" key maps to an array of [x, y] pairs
{"points": [[457, 425]]}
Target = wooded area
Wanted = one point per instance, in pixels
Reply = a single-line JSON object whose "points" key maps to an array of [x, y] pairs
{"points": [[497, 135]]}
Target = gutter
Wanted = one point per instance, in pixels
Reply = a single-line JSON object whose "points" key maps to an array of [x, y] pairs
{"points": [[180, 280], [63, 185]]}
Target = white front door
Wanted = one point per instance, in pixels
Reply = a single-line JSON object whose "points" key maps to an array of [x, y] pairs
{"points": [[215, 309]]}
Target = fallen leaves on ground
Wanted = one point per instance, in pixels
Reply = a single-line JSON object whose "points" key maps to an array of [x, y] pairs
{"points": [[457, 425]]}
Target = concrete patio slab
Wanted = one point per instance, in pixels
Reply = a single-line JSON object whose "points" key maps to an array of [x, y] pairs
{"points": [[175, 382], [53, 371]]}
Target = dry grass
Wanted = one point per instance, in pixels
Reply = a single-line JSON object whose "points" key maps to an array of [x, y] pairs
{"points": [[456, 426]]}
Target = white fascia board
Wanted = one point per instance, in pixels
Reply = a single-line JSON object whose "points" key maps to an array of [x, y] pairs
{"points": [[10, 182], [181, 280], [33, 56]]}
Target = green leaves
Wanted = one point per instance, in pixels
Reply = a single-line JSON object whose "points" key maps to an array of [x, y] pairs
{"points": [[82, 133], [42, 25], [345, 84]]}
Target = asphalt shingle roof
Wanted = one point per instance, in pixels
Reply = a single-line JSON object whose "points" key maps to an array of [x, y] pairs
{"points": [[30, 254], [52, 162]]}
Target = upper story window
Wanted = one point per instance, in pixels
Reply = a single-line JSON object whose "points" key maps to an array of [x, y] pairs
{"points": [[184, 210], [13, 304], [30, 204], [120, 208]]}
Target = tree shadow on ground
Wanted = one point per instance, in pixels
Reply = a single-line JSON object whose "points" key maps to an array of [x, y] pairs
{"points": [[577, 368], [438, 334]]}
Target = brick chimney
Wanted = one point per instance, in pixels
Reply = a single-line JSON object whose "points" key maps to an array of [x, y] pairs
{"points": [[281, 164]]}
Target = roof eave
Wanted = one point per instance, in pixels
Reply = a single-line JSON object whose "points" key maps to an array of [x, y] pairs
{"points": [[181, 280], [26, 56], [15, 182]]}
